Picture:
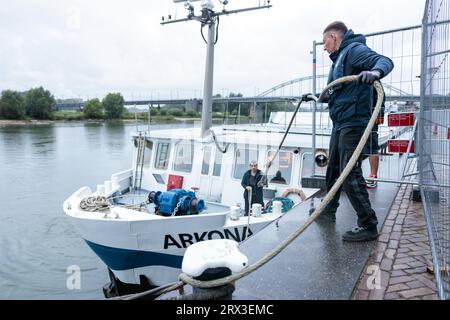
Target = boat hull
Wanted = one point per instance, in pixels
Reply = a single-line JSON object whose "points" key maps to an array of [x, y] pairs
{"points": [[135, 244]]}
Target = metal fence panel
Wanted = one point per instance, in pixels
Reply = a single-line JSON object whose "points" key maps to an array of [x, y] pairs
{"points": [[434, 135]]}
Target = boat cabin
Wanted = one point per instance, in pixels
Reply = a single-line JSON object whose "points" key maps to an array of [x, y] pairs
{"points": [[178, 159]]}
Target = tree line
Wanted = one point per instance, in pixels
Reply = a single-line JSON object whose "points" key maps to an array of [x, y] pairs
{"points": [[111, 107], [38, 103]]}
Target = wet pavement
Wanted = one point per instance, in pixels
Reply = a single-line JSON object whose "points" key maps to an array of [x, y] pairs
{"points": [[318, 265]]}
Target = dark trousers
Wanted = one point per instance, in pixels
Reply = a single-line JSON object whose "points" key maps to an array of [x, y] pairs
{"points": [[342, 145]]}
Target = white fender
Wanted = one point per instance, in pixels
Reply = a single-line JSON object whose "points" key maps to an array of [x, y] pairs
{"points": [[213, 254]]}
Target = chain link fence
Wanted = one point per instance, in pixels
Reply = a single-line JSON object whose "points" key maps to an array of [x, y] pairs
{"points": [[434, 135]]}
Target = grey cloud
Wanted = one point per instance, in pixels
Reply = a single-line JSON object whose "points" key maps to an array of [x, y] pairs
{"points": [[88, 48]]}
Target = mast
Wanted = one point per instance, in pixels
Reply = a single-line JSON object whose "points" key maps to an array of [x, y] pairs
{"points": [[209, 79], [209, 18]]}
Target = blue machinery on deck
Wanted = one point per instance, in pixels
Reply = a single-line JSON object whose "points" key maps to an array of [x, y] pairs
{"points": [[176, 202]]}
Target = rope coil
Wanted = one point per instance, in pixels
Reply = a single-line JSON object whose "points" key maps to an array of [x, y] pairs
{"points": [[230, 279], [95, 204]]}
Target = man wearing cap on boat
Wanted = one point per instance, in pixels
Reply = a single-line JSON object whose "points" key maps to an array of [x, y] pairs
{"points": [[252, 182], [350, 107]]}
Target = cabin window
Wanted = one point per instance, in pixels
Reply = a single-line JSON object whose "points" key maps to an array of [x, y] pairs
{"points": [[218, 164], [206, 161], [281, 170], [162, 156], [242, 160], [184, 157], [148, 153]]}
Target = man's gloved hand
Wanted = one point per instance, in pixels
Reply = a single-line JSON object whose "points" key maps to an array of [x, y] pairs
{"points": [[369, 77], [307, 97]]}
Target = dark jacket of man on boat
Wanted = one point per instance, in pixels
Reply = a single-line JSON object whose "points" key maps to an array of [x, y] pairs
{"points": [[257, 189], [351, 104]]}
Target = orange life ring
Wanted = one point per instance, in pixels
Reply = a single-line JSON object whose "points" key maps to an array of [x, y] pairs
{"points": [[296, 191]]}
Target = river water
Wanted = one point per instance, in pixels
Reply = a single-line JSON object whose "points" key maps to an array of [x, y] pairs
{"points": [[41, 166]]}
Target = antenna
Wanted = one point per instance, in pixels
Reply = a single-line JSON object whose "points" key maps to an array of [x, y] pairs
{"points": [[207, 7], [210, 18]]}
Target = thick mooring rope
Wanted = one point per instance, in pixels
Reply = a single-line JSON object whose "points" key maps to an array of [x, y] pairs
{"points": [[273, 158], [224, 281]]}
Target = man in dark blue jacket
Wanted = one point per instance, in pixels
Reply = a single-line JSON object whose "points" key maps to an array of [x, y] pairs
{"points": [[350, 110]]}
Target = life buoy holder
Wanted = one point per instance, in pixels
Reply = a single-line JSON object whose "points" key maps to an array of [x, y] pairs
{"points": [[296, 191]]}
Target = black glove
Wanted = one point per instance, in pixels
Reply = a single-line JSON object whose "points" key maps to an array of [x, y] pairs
{"points": [[369, 77], [307, 97]]}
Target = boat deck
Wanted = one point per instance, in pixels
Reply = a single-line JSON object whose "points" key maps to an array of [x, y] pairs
{"points": [[318, 265]]}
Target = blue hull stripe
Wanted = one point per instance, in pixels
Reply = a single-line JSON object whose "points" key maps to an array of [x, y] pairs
{"points": [[124, 259]]}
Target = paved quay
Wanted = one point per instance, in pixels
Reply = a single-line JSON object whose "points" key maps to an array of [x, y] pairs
{"points": [[318, 265], [400, 263]]}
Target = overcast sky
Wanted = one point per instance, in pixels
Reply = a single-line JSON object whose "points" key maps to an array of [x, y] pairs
{"points": [[87, 48]]}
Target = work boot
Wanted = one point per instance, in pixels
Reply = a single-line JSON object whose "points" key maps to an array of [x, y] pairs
{"points": [[360, 234]]}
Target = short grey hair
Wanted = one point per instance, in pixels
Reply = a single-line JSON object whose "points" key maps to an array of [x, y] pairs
{"points": [[338, 27]]}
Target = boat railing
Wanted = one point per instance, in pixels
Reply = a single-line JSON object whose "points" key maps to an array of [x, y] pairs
{"points": [[124, 179]]}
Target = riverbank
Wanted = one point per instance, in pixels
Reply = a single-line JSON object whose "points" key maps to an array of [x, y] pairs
{"points": [[157, 120], [28, 122], [125, 121]]}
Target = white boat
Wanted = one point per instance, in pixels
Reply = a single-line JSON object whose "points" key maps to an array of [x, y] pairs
{"points": [[142, 247]]}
